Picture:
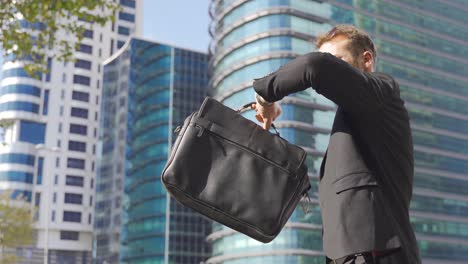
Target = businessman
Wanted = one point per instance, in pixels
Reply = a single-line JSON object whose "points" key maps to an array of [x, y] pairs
{"points": [[367, 173]]}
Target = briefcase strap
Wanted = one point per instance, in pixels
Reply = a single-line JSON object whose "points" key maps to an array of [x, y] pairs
{"points": [[249, 105]]}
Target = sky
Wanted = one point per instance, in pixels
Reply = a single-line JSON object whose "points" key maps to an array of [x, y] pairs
{"points": [[183, 23]]}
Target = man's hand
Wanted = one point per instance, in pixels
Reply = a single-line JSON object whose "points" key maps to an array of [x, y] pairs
{"points": [[266, 114]]}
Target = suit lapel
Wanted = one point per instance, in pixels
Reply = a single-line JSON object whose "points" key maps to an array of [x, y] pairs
{"points": [[322, 166]]}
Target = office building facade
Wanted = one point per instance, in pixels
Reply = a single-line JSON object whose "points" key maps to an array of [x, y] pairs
{"points": [[149, 89], [422, 44], [49, 150]]}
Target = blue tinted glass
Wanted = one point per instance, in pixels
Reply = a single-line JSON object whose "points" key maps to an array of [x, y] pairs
{"points": [[83, 64], [79, 112], [127, 16], [16, 176], [88, 33], [120, 44], [45, 106], [76, 163], [80, 96], [73, 198], [17, 72], [74, 180], [49, 69], [70, 216], [20, 89], [18, 158], [85, 48], [32, 132], [78, 129], [129, 3], [19, 106], [124, 31], [40, 168], [80, 79]]}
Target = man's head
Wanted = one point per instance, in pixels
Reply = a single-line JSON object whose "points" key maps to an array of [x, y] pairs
{"points": [[349, 44]]}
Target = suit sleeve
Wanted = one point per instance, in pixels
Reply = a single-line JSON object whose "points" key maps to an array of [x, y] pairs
{"points": [[357, 92]]}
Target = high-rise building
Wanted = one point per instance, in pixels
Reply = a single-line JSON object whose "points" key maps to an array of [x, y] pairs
{"points": [[423, 44], [149, 88], [50, 151]]}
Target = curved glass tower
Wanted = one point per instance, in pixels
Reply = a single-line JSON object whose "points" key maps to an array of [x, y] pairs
{"points": [[149, 89], [422, 44], [251, 39]]}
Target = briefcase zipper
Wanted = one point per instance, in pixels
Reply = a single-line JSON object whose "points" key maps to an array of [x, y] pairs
{"points": [[201, 130]]}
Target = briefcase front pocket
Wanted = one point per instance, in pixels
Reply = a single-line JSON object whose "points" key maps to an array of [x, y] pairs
{"points": [[232, 184]]}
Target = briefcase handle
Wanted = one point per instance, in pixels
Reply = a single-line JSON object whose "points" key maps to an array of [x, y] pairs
{"points": [[249, 105]]}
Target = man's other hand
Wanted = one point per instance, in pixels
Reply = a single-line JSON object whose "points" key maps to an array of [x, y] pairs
{"points": [[266, 114]]}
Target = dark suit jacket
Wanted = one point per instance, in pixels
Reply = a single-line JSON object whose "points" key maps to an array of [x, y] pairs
{"points": [[367, 174]]}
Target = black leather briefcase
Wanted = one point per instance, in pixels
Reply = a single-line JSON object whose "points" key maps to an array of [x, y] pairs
{"points": [[233, 171]]}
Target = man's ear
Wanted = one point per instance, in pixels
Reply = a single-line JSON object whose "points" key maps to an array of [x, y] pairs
{"points": [[368, 60]]}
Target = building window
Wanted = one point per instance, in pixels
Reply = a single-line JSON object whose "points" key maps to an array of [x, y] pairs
{"points": [[53, 216], [40, 168], [127, 16], [79, 112], [129, 3], [69, 235], [123, 31], [57, 162], [74, 181], [78, 129], [90, 200], [112, 44], [32, 132], [60, 127], [80, 79], [92, 183], [59, 143], [83, 64], [85, 48], [17, 158], [76, 146], [19, 106], [80, 96], [73, 198], [49, 69], [37, 199], [54, 197], [88, 33], [70, 216], [45, 107], [56, 179], [64, 78], [76, 163], [120, 44], [20, 89], [16, 176]]}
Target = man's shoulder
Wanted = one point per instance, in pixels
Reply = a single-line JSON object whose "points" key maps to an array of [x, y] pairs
{"points": [[387, 82]]}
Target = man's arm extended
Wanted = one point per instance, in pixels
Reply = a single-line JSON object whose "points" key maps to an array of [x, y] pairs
{"points": [[357, 92]]}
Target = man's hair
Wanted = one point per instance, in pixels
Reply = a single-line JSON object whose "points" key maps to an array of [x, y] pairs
{"points": [[360, 41]]}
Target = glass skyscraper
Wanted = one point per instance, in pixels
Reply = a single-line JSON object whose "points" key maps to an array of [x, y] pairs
{"points": [[423, 44], [149, 88]]}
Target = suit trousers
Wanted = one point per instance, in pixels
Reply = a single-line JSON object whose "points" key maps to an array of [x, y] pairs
{"points": [[396, 257]]}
